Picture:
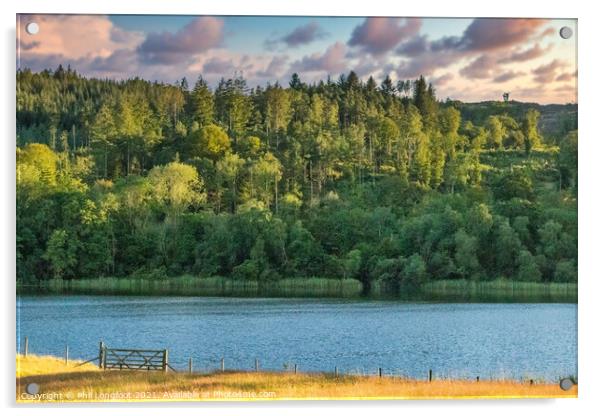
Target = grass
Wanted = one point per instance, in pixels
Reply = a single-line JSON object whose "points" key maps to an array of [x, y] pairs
{"points": [[500, 290], [63, 382], [207, 286], [440, 290], [47, 364]]}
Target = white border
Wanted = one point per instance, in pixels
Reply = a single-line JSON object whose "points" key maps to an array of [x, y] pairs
{"points": [[590, 151]]}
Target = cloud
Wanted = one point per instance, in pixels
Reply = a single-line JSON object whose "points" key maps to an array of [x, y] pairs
{"points": [[90, 44], [426, 64], [526, 55], [442, 80], [491, 34], [198, 36], [455, 64], [217, 65], [547, 32], [73, 36], [479, 68], [547, 72], [377, 35], [302, 35], [275, 68], [26, 46], [120, 61], [507, 76], [331, 61], [486, 34], [567, 76], [484, 38], [414, 47]]}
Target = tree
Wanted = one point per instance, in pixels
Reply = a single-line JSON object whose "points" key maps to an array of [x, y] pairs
{"points": [[229, 169], [424, 99], [36, 162], [278, 111], [351, 264], [466, 255], [568, 160], [507, 248], [295, 82], [233, 106], [265, 175], [61, 252], [334, 179], [210, 141], [103, 134], [516, 183], [495, 130], [530, 131], [566, 271], [176, 187], [414, 272], [202, 105], [528, 270]]}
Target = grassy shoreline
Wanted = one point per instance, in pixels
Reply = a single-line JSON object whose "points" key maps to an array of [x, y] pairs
{"points": [[441, 290], [60, 382]]}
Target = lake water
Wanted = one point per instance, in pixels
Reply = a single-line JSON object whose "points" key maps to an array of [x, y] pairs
{"points": [[454, 340]]}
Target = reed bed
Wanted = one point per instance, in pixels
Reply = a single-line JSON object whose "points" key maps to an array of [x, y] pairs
{"points": [[208, 286], [502, 290], [499, 290]]}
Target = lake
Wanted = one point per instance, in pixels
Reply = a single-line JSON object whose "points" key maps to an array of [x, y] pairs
{"points": [[357, 336]]}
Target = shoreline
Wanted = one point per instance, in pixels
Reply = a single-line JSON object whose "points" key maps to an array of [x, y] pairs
{"points": [[453, 291]]}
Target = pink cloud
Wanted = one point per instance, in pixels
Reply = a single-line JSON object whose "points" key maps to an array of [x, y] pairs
{"points": [[547, 72], [73, 36], [526, 55], [200, 35], [377, 35], [481, 67], [331, 61], [491, 34], [508, 76]]}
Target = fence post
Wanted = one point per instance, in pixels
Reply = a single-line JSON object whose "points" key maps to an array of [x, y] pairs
{"points": [[256, 364], [101, 353], [26, 346], [165, 361], [222, 364], [336, 371], [295, 368], [478, 378], [190, 365], [66, 354], [380, 372], [430, 375]]}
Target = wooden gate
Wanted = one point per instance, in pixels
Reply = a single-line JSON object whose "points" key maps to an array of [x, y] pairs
{"points": [[126, 359]]}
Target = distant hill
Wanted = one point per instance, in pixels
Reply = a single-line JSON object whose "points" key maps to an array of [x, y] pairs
{"points": [[555, 121]]}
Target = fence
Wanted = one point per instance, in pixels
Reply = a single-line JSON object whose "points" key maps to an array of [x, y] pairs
{"points": [[157, 360], [130, 359]]}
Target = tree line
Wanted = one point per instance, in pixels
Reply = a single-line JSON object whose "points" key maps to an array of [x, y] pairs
{"points": [[337, 179]]}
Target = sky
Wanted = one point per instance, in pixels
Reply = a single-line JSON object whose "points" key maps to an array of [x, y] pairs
{"points": [[465, 59]]}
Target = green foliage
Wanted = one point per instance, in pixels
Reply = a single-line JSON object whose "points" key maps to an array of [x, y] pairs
{"points": [[61, 253], [341, 182], [202, 105], [210, 141]]}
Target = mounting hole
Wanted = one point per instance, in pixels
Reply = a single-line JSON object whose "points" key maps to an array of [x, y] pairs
{"points": [[566, 384], [32, 388], [566, 32], [32, 28]]}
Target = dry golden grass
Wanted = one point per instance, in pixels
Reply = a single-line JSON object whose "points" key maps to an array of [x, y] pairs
{"points": [[60, 382], [47, 364]]}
